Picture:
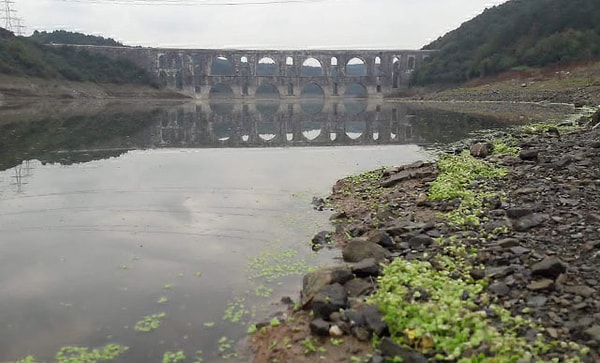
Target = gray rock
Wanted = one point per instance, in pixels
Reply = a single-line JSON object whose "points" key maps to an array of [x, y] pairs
{"points": [[391, 349], [544, 284], [593, 333], [374, 320], [529, 221], [499, 289], [529, 154], [320, 327], [584, 291], [361, 333], [314, 281], [537, 301], [381, 238], [366, 267], [397, 178], [420, 240], [321, 239], [330, 299], [518, 250], [499, 272], [516, 213], [358, 249], [400, 227], [549, 267], [359, 287], [355, 317], [508, 242], [481, 149]]}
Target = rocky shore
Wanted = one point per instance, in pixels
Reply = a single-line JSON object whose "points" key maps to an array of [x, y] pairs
{"points": [[524, 260]]}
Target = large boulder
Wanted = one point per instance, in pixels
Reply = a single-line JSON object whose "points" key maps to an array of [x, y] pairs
{"points": [[330, 299], [315, 281], [359, 249]]}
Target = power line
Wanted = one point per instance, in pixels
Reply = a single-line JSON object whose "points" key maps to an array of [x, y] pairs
{"points": [[190, 2]]}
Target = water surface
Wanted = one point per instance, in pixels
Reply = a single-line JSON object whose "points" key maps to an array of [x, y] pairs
{"points": [[105, 211]]}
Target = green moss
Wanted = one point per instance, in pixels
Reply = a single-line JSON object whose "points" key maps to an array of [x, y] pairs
{"points": [[173, 357], [149, 323], [434, 311], [464, 177]]}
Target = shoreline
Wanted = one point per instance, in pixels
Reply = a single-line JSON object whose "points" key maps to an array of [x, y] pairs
{"points": [[530, 228]]}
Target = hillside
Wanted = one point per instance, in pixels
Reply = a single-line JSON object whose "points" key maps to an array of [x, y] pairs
{"points": [[515, 35], [66, 37], [24, 57]]}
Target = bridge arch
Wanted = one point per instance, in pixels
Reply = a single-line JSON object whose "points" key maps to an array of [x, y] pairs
{"points": [[221, 66], [312, 67], [356, 67], [267, 66]]}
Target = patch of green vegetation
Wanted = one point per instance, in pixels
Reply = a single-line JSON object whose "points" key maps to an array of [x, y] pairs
{"points": [[251, 329], [198, 357], [336, 341], [173, 357], [275, 263], [312, 346], [505, 147], [275, 322], [426, 308], [262, 290], [23, 57], [364, 185], [458, 174], [162, 300], [209, 324], [226, 348], [71, 354], [236, 310], [149, 323]]}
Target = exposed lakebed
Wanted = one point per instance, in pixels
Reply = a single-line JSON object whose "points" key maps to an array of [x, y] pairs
{"points": [[201, 212]]}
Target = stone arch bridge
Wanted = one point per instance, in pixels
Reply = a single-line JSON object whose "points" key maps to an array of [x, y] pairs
{"points": [[243, 73]]}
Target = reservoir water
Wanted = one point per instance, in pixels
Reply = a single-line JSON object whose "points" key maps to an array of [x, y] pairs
{"points": [[195, 216]]}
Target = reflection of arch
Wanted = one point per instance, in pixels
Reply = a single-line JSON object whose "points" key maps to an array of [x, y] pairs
{"points": [[311, 130], [312, 90], [163, 79], [356, 67], [267, 67], [179, 80], [312, 67], [223, 130], [355, 106], [267, 90], [355, 129], [220, 90], [267, 131], [356, 90], [221, 66], [268, 107]]}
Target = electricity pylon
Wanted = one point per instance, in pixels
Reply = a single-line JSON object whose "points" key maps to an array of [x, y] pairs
{"points": [[11, 22]]}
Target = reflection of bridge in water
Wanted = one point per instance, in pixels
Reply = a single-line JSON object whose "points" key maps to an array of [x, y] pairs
{"points": [[271, 123]]}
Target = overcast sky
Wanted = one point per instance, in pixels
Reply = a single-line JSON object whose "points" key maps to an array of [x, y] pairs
{"points": [[280, 24]]}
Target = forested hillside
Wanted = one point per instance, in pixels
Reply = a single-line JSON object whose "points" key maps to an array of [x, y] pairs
{"points": [[23, 57], [516, 34], [66, 37]]}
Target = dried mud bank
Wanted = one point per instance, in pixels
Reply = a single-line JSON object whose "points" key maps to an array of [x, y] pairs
{"points": [[489, 258]]}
